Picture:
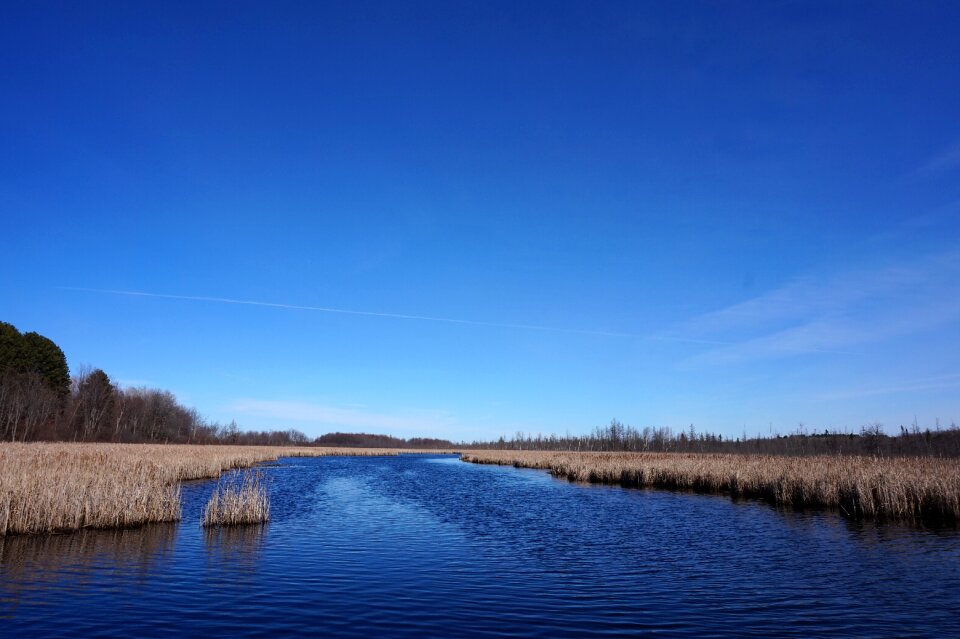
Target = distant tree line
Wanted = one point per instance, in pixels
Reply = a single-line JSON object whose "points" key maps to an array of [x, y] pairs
{"points": [[364, 440], [870, 440], [39, 400]]}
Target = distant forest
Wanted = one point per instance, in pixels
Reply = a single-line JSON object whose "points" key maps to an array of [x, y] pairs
{"points": [[870, 440], [41, 401], [364, 440]]}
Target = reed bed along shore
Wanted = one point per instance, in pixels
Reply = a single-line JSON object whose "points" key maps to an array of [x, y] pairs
{"points": [[893, 488], [241, 499], [57, 487]]}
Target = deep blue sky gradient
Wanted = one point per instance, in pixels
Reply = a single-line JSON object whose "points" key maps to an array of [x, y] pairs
{"points": [[743, 216]]}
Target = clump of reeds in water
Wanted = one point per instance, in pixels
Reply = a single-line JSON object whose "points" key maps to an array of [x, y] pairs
{"points": [[241, 499]]}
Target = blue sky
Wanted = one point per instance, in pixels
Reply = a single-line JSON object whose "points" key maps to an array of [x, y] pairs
{"points": [[743, 216]]}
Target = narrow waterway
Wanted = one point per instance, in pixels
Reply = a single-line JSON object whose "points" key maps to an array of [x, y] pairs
{"points": [[428, 546]]}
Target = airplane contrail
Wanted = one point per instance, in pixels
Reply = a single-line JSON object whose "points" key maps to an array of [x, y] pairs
{"points": [[426, 318], [344, 311]]}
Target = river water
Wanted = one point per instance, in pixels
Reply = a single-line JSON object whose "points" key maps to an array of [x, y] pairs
{"points": [[428, 546]]}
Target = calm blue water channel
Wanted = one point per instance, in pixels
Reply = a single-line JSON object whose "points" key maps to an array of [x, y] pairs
{"points": [[428, 546]]}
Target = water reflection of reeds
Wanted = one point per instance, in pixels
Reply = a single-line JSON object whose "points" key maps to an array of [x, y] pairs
{"points": [[31, 561], [237, 546]]}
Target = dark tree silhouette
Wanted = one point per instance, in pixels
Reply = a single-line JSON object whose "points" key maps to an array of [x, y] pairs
{"points": [[93, 405], [47, 360]]}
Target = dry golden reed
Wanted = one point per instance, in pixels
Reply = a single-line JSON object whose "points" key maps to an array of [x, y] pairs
{"points": [[894, 488], [59, 487], [238, 500]]}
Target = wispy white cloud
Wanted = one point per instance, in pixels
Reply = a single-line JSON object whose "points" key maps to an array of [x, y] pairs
{"points": [[935, 218], [907, 386], [945, 160], [835, 293], [833, 314], [404, 423]]}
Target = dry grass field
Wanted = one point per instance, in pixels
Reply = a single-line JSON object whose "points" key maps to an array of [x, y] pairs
{"points": [[894, 488], [60, 487]]}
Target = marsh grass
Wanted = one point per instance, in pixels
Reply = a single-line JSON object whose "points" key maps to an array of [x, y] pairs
{"points": [[891, 488], [240, 499], [60, 487]]}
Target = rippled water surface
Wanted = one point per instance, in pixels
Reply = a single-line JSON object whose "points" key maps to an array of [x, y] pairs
{"points": [[429, 546]]}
